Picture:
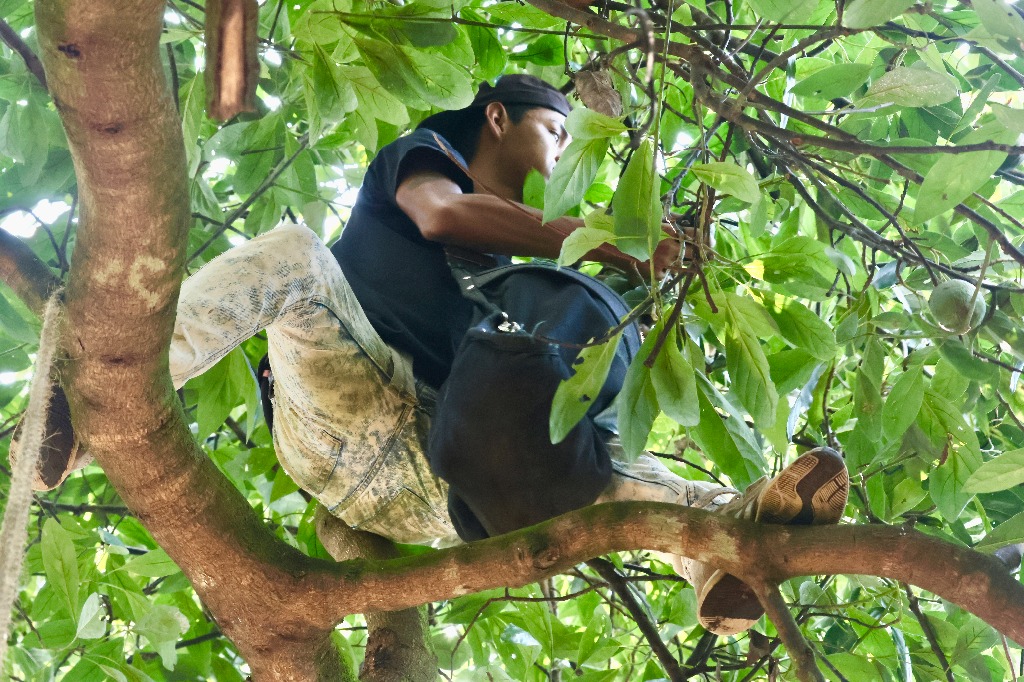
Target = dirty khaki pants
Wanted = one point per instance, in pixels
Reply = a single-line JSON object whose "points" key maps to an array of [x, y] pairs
{"points": [[350, 422]]}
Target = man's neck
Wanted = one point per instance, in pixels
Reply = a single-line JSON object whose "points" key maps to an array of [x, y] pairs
{"points": [[483, 170]]}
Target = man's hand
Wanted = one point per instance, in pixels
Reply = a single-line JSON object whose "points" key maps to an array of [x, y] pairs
{"points": [[666, 254]]}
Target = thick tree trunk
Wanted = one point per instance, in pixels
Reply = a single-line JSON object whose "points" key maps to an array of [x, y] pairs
{"points": [[103, 66]]}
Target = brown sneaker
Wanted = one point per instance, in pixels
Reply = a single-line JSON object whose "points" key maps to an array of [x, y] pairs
{"points": [[810, 491], [60, 454]]}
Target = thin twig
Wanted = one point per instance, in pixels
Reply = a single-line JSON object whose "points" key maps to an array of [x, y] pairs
{"points": [[244, 206], [607, 571], [1009, 661], [118, 510], [929, 633]]}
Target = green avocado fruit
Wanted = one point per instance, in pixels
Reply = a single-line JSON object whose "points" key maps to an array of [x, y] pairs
{"points": [[950, 304]]}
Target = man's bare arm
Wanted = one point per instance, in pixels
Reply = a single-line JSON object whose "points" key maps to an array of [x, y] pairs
{"points": [[443, 213]]}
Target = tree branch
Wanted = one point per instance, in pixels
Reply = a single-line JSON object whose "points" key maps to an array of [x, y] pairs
{"points": [[977, 582], [929, 633], [800, 651], [397, 645], [669, 664], [14, 41], [22, 270]]}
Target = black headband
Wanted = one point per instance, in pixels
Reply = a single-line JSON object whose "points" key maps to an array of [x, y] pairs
{"points": [[514, 88]]}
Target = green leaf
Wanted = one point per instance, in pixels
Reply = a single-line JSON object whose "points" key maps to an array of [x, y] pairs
{"points": [[587, 124], [1000, 18], [489, 55], [546, 50], [674, 382], [911, 87], [954, 177], [726, 439], [905, 496], [637, 403], [749, 372], [153, 564], [798, 258], [868, 13], [729, 178], [422, 33], [974, 636], [439, 81], [192, 96], [61, 565], [114, 673], [747, 313], [582, 241], [331, 96], [945, 427], [592, 637], [576, 394], [221, 388], [788, 11], [805, 330], [835, 81], [572, 176], [751, 380], [416, 76], [14, 326], [162, 626], [24, 135], [854, 667], [263, 214], [1000, 473], [90, 622], [261, 142], [637, 206], [903, 403], [375, 101], [533, 189], [1009, 532], [966, 364]]}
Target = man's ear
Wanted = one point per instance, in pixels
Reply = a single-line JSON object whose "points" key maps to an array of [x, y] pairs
{"points": [[496, 120]]}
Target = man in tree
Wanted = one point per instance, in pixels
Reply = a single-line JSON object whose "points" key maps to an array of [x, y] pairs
{"points": [[359, 350]]}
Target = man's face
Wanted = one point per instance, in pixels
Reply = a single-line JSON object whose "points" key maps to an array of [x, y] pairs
{"points": [[537, 141]]}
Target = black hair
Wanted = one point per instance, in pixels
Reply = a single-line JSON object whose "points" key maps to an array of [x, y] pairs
{"points": [[466, 137]]}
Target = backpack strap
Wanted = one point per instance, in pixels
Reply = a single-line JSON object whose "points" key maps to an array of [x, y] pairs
{"points": [[465, 266], [474, 271]]}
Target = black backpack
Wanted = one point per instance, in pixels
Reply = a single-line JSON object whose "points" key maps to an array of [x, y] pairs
{"points": [[489, 437]]}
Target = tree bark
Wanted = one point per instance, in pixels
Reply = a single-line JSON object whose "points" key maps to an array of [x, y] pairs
{"points": [[103, 66], [398, 645], [28, 276]]}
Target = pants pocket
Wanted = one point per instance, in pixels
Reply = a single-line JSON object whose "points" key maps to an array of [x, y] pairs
{"points": [[311, 455], [403, 501], [410, 519]]}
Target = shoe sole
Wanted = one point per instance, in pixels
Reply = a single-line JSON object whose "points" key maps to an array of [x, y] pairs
{"points": [[811, 491], [727, 605]]}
